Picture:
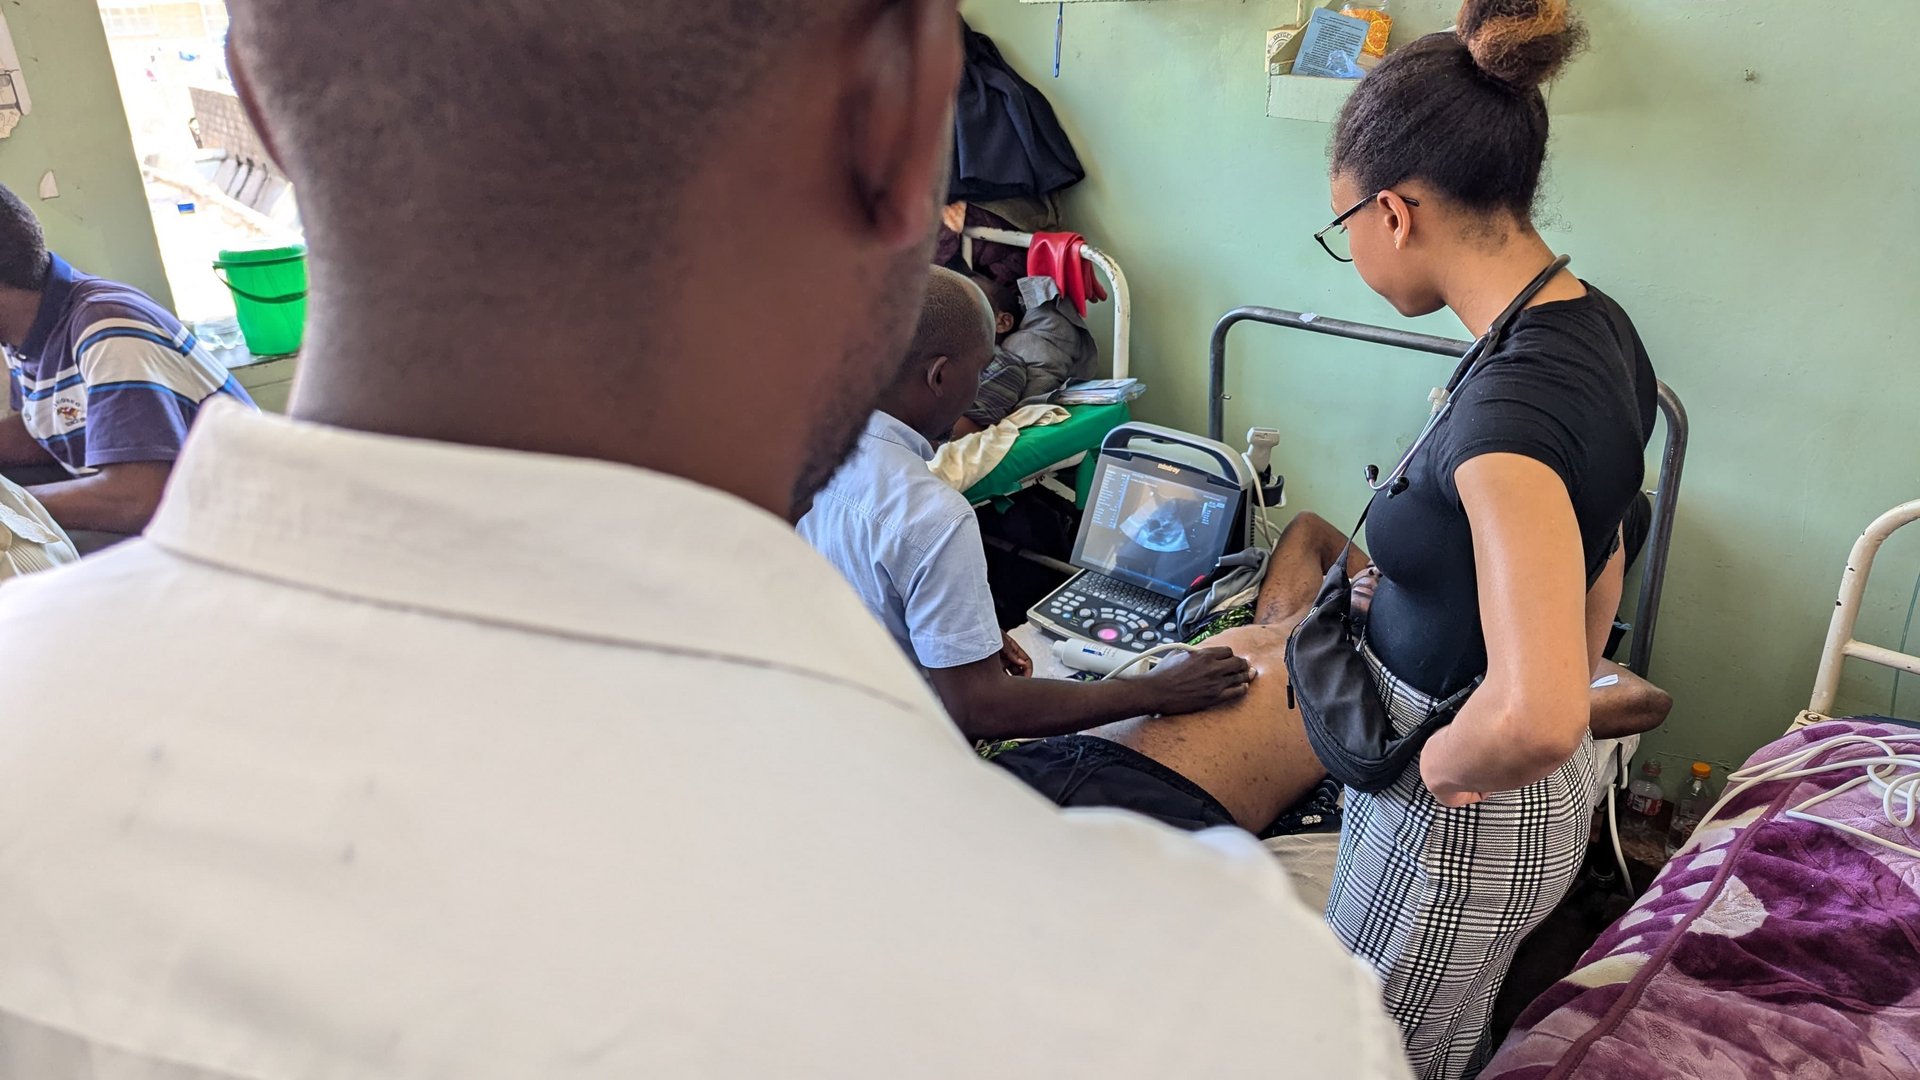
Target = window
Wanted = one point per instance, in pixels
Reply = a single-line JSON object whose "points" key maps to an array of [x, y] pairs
{"points": [[208, 181], [125, 20]]}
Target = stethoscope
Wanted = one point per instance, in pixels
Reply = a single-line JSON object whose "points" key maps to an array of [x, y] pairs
{"points": [[1396, 481]]}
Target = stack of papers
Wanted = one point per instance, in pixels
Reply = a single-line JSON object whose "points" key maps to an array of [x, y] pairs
{"points": [[1100, 392]]}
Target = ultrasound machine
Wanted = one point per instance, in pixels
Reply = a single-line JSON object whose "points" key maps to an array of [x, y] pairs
{"points": [[1165, 508]]}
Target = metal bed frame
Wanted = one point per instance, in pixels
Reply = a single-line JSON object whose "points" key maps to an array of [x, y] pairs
{"points": [[1122, 297], [1841, 644], [1102, 262], [1666, 493]]}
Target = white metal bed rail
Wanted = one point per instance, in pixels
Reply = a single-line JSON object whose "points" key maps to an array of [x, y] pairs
{"points": [[1841, 644], [1102, 262]]}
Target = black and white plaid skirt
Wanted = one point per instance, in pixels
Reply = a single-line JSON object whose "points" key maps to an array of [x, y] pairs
{"points": [[1438, 899]]}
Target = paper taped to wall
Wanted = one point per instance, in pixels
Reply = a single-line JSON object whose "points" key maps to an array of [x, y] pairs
{"points": [[1330, 49], [15, 102]]}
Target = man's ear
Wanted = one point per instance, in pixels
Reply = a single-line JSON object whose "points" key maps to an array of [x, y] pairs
{"points": [[937, 375], [1003, 323], [900, 115]]}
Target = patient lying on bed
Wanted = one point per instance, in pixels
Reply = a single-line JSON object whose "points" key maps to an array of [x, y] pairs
{"points": [[1206, 740], [1251, 755], [1040, 344]]}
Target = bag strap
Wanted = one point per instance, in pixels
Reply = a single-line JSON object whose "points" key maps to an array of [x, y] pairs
{"points": [[1467, 366], [1471, 361]]}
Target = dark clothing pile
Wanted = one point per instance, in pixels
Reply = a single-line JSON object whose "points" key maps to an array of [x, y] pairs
{"points": [[1007, 143]]}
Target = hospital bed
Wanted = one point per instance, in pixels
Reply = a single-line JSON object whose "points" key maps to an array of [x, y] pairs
{"points": [[1310, 858], [1042, 453], [1666, 493], [1784, 938]]}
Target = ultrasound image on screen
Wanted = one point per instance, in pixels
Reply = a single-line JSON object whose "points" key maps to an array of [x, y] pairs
{"points": [[1154, 531]]}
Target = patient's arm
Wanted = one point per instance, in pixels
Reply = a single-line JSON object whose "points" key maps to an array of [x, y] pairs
{"points": [[987, 702], [1629, 706], [1299, 566]]}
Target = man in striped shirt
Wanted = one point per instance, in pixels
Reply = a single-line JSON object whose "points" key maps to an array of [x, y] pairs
{"points": [[103, 383]]}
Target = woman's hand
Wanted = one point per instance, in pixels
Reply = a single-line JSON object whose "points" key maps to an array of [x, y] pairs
{"points": [[1360, 599], [1437, 763]]}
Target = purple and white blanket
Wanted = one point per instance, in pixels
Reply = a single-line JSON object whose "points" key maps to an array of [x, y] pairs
{"points": [[1767, 947]]}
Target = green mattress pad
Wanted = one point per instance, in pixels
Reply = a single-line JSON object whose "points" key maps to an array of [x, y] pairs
{"points": [[1041, 447]]}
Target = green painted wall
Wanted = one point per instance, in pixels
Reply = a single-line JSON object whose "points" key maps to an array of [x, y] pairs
{"points": [[79, 131], [1748, 194]]}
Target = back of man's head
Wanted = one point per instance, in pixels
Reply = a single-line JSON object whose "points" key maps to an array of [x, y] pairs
{"points": [[23, 248], [956, 322], [508, 122], [952, 343], [644, 200]]}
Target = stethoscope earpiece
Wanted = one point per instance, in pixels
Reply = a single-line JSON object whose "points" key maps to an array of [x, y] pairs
{"points": [[1392, 487]]}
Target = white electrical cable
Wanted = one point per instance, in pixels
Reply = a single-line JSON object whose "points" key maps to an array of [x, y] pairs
{"points": [[1895, 775], [1618, 757], [1613, 830], [1263, 529]]}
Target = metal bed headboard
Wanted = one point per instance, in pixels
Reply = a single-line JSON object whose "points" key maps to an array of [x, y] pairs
{"points": [[1667, 487], [1841, 644], [1103, 262]]}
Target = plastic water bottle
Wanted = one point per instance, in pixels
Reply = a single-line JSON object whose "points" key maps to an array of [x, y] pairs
{"points": [[1645, 801], [1694, 803]]}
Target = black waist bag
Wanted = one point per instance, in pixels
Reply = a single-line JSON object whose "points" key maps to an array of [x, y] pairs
{"points": [[1347, 722]]}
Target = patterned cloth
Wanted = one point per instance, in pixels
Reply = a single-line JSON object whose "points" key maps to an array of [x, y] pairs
{"points": [[1002, 385], [1438, 899], [1769, 946]]}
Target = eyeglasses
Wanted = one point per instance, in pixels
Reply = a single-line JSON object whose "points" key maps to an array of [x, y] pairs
{"points": [[1339, 246]]}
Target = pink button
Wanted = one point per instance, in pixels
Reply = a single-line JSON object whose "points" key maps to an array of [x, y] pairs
{"points": [[1108, 634]]}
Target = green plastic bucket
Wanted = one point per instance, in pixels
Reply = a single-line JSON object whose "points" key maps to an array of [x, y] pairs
{"points": [[269, 287]]}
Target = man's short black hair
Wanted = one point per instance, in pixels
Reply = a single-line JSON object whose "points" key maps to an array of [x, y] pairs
{"points": [[954, 320], [23, 247]]}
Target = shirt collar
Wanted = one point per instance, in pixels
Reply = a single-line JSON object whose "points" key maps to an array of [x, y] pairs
{"points": [[61, 277], [558, 546], [885, 427]]}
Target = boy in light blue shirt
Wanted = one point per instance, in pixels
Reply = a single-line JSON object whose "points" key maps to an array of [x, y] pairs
{"points": [[910, 546]]}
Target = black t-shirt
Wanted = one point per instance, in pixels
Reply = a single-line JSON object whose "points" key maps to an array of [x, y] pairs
{"points": [[1569, 386]]}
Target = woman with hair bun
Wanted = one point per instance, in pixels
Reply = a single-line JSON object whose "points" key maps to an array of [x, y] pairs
{"points": [[1496, 553]]}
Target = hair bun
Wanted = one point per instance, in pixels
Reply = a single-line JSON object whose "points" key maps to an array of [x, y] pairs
{"points": [[1523, 43]]}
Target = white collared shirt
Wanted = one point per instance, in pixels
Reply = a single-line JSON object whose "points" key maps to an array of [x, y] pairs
{"points": [[910, 546], [415, 760]]}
